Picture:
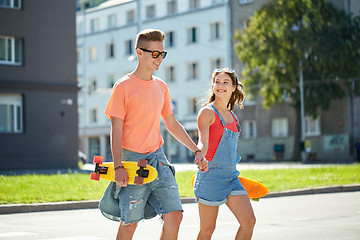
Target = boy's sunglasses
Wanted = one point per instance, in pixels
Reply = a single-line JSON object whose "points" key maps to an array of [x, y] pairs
{"points": [[155, 54]]}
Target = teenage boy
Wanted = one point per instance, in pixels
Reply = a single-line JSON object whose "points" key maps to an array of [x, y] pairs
{"points": [[137, 102]]}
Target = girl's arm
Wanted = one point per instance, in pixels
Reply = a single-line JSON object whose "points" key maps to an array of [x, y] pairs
{"points": [[205, 119]]}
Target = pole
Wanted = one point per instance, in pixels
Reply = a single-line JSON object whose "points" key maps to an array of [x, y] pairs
{"points": [[302, 114], [138, 16]]}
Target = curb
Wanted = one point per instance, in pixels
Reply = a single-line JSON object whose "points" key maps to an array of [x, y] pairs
{"points": [[89, 204]]}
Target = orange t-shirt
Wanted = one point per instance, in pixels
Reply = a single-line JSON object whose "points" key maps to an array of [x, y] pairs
{"points": [[140, 104]]}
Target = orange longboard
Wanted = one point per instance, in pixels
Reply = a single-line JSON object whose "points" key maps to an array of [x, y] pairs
{"points": [[139, 172], [254, 189]]}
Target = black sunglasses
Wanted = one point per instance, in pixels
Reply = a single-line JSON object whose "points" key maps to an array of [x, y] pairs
{"points": [[155, 54]]}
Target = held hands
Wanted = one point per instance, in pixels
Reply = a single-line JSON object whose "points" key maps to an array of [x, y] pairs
{"points": [[201, 161], [121, 177]]}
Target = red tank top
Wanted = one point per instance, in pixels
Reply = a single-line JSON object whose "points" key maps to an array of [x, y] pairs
{"points": [[215, 133]]}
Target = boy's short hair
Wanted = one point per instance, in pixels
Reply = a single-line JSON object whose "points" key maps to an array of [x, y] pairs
{"points": [[148, 35]]}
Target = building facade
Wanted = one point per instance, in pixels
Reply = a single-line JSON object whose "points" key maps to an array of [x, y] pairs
{"points": [[38, 90], [199, 38]]}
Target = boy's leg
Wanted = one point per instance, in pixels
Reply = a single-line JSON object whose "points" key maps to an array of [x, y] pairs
{"points": [[165, 199], [126, 231], [171, 225], [132, 203]]}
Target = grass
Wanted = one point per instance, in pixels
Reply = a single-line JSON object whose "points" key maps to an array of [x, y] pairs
{"points": [[77, 186]]}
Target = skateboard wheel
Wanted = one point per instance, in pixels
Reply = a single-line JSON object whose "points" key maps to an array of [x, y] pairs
{"points": [[95, 176], [98, 159], [139, 180], [142, 163]]}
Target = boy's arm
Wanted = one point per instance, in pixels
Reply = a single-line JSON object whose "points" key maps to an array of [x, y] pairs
{"points": [[121, 176], [175, 129]]}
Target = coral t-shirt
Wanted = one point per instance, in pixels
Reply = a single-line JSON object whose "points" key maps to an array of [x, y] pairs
{"points": [[140, 104], [215, 133]]}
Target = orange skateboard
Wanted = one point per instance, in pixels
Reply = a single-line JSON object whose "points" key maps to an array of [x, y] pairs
{"points": [[254, 189], [139, 172]]}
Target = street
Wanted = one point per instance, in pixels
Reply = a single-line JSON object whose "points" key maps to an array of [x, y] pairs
{"points": [[319, 216]]}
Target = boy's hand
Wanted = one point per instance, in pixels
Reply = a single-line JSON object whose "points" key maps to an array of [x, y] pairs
{"points": [[201, 162], [121, 177]]}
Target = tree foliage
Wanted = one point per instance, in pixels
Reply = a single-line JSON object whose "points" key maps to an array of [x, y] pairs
{"points": [[284, 34]]}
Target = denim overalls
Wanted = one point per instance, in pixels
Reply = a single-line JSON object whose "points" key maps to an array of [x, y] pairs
{"points": [[221, 180]]}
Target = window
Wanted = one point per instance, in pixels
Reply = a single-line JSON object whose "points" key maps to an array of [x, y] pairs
{"points": [[249, 129], [130, 16], [94, 147], [215, 31], [94, 25], [241, 2], [192, 35], [170, 39], [112, 21], [170, 74], [110, 80], [11, 113], [217, 1], [216, 63], [92, 84], [78, 54], [16, 4], [10, 50], [192, 106], [92, 54], [128, 47], [193, 71], [79, 28], [110, 50], [312, 126], [93, 115], [171, 7], [150, 11], [279, 127], [194, 4]]}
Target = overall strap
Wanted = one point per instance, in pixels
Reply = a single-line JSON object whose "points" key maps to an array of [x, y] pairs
{"points": [[217, 112], [237, 121]]}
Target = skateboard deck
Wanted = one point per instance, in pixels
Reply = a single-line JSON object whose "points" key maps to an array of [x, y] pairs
{"points": [[254, 189], [139, 172]]}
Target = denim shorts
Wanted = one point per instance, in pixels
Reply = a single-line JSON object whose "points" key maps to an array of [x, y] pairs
{"points": [[213, 187], [162, 193]]}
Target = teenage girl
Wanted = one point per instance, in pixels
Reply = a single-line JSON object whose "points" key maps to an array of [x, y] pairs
{"points": [[219, 131]]}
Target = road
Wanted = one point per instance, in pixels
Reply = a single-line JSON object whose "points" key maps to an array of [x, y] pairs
{"points": [[319, 216]]}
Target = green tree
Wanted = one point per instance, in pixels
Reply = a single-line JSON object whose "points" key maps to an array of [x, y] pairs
{"points": [[284, 35]]}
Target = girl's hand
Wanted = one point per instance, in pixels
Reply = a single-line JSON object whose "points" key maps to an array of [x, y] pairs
{"points": [[201, 161]]}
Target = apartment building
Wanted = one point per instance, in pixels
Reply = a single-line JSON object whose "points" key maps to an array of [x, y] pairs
{"points": [[199, 38], [38, 90]]}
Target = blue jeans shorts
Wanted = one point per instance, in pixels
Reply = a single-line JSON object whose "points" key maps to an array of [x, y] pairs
{"points": [[162, 193]]}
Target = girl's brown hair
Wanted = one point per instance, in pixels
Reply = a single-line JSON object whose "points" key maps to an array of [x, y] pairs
{"points": [[148, 35], [237, 96]]}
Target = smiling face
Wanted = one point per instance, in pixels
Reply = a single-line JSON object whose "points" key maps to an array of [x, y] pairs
{"points": [[223, 85], [146, 59]]}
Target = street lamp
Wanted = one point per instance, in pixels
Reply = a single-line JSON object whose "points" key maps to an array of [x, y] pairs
{"points": [[302, 113]]}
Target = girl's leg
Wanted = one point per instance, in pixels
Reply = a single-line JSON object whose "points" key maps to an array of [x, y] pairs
{"points": [[241, 207], [171, 225], [126, 231], [208, 215]]}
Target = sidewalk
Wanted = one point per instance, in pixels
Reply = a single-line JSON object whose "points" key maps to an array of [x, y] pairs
{"points": [[70, 205]]}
